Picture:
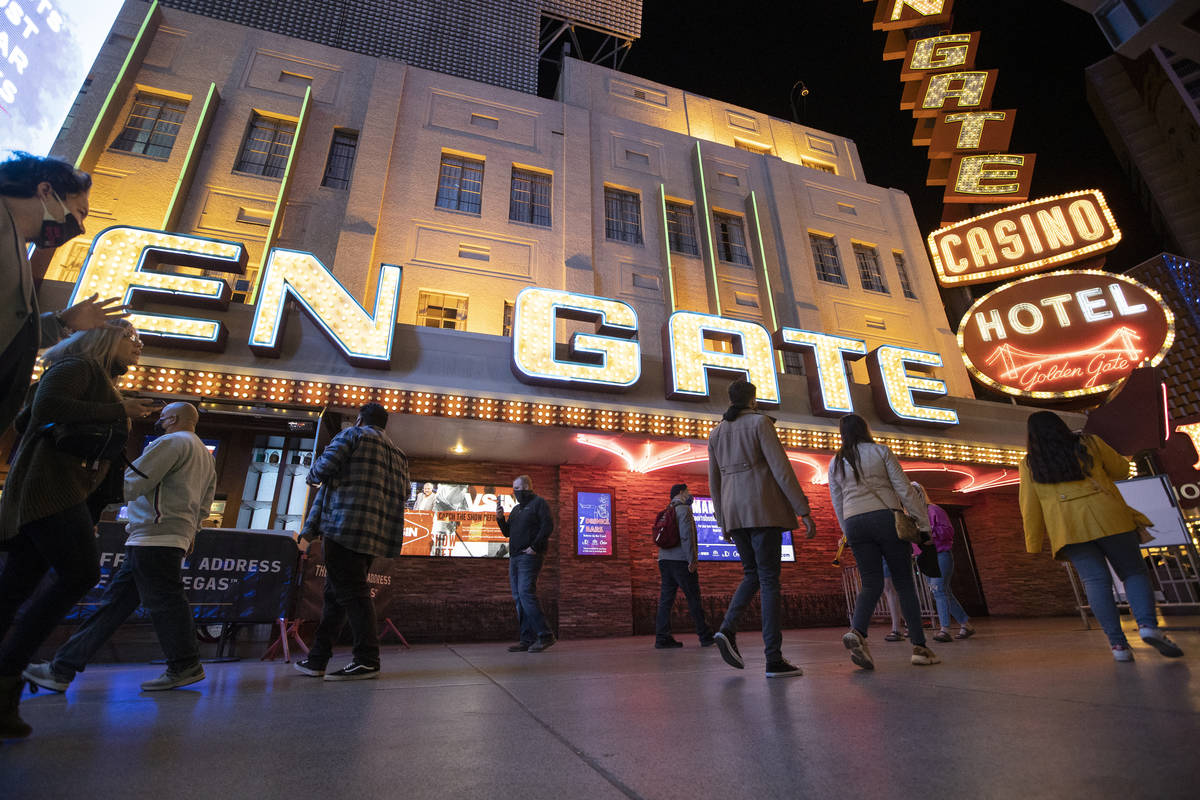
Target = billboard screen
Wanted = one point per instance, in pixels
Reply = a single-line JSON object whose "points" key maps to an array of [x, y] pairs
{"points": [[46, 50], [594, 525], [708, 534], [454, 519]]}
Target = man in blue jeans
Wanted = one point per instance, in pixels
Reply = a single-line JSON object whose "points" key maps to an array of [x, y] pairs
{"points": [[169, 491], [677, 568], [528, 528]]}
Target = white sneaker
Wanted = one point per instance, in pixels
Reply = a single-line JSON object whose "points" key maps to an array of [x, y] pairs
{"points": [[1122, 653], [923, 656], [1159, 641], [860, 654]]}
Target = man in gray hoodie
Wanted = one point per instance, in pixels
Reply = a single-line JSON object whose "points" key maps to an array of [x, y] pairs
{"points": [[677, 566], [169, 490]]}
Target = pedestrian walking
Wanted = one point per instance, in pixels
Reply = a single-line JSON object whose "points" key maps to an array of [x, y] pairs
{"points": [[678, 570], [756, 497], [528, 527], [948, 607], [866, 485]]}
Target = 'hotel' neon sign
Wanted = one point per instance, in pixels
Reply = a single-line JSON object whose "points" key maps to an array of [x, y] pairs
{"points": [[122, 263]]}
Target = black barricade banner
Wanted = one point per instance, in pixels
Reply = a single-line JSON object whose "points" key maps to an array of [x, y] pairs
{"points": [[230, 576], [312, 587]]}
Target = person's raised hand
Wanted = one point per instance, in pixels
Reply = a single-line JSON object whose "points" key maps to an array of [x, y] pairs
{"points": [[138, 407], [93, 312]]}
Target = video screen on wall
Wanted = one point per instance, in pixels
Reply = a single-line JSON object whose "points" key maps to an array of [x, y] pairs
{"points": [[48, 49], [455, 520], [708, 533], [594, 524]]}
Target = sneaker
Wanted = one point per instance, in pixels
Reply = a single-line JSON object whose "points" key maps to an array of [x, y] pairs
{"points": [[923, 656], [42, 675], [1122, 653], [667, 644], [173, 680], [965, 632], [860, 654], [353, 672], [943, 636], [709, 642], [542, 644], [309, 667], [519, 647], [11, 724], [727, 644], [1159, 641], [783, 669]]}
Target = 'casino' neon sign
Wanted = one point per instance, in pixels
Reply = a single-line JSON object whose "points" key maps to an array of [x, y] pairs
{"points": [[128, 263]]}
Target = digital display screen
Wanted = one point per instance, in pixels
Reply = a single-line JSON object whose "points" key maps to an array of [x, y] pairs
{"points": [[46, 50], [455, 520], [593, 524], [708, 535]]}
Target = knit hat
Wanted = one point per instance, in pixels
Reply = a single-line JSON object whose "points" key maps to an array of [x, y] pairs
{"points": [[677, 488]]}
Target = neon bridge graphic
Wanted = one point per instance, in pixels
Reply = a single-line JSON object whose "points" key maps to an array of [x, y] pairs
{"points": [[1017, 362]]}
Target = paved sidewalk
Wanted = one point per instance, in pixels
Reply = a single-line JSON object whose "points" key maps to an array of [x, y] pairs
{"points": [[1026, 709]]}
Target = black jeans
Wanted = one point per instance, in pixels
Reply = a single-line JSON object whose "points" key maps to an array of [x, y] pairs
{"points": [[149, 576], [65, 541], [347, 598], [675, 575], [872, 538]]}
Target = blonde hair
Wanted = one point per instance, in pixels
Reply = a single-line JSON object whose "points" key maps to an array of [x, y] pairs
{"points": [[97, 344], [921, 491]]}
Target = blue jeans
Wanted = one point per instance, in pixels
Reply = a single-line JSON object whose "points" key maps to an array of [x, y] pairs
{"points": [[676, 575], [1091, 560], [872, 539], [523, 569], [943, 596], [760, 550], [65, 541], [149, 576]]}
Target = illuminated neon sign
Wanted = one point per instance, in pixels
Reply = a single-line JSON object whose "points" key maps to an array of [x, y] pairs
{"points": [[1024, 238], [1065, 334], [689, 355]]}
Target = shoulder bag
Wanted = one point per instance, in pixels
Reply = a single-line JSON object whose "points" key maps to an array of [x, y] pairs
{"points": [[92, 442], [906, 524]]}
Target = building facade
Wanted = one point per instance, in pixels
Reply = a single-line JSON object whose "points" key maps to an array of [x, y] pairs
{"points": [[466, 193]]}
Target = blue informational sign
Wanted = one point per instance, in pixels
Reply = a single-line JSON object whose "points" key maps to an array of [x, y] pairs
{"points": [[708, 533], [46, 50], [593, 527]]}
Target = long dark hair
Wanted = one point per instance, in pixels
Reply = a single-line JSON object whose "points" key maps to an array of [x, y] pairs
{"points": [[854, 432], [1054, 453]]}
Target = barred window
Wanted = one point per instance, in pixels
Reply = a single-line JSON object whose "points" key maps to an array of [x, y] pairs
{"points": [[440, 310], [267, 146], [731, 239], [622, 216], [152, 125], [825, 256], [529, 197], [869, 269], [820, 166], [905, 281], [508, 318], [681, 229], [340, 164], [460, 184]]}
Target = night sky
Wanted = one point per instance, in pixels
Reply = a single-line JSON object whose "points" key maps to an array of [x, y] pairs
{"points": [[751, 54]]}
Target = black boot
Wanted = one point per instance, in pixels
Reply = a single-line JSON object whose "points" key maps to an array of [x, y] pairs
{"points": [[11, 724]]}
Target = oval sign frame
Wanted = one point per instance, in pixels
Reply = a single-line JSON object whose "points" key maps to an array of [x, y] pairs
{"points": [[1016, 391]]}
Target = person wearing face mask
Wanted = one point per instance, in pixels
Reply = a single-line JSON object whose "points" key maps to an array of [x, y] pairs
{"points": [[169, 489], [528, 528], [44, 203], [46, 521]]}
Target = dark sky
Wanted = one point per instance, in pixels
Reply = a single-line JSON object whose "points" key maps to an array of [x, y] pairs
{"points": [[751, 54]]}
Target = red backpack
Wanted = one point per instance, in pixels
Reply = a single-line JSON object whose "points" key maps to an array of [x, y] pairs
{"points": [[666, 528]]}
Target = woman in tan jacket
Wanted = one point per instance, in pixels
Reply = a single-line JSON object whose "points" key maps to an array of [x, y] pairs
{"points": [[1068, 494], [45, 519]]}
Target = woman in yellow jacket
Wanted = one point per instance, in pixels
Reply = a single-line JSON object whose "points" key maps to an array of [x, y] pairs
{"points": [[1068, 494]]}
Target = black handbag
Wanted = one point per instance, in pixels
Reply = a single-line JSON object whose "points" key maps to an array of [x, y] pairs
{"points": [[90, 441], [927, 561]]}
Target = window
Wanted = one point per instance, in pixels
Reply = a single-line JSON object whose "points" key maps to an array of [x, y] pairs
{"points": [[529, 197], [731, 239], [820, 166], [460, 184], [681, 229], [869, 270], [622, 216], [152, 125], [340, 164], [751, 147], [825, 256], [905, 281], [508, 317], [440, 310], [267, 147]]}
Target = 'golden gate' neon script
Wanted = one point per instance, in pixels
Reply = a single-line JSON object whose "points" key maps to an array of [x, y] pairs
{"points": [[127, 262]]}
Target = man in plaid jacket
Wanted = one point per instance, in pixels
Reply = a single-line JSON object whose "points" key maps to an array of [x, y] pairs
{"points": [[359, 514]]}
